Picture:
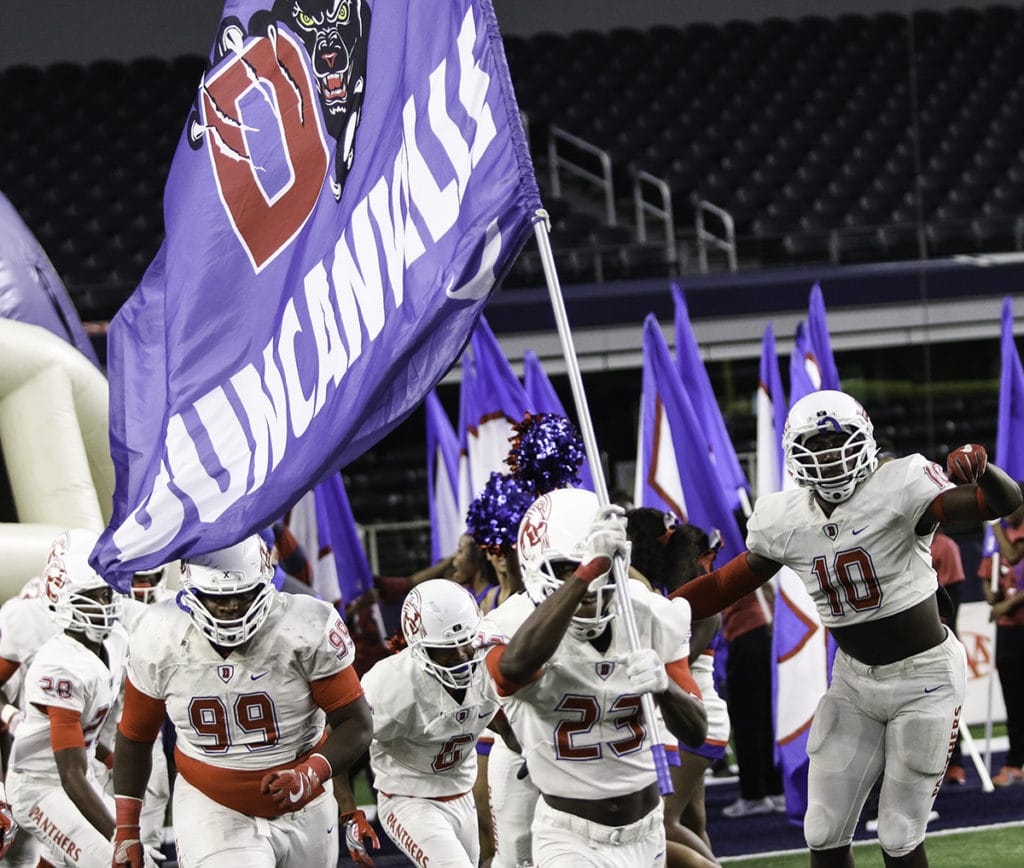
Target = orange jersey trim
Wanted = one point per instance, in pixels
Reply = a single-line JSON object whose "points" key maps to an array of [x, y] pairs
{"points": [[679, 672], [505, 686], [142, 716], [238, 789], [65, 728], [336, 690], [7, 669]]}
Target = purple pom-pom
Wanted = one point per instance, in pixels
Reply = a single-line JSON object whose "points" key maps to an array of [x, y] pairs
{"points": [[493, 518], [547, 452]]}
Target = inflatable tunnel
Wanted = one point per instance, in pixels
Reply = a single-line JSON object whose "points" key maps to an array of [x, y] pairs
{"points": [[54, 441]]}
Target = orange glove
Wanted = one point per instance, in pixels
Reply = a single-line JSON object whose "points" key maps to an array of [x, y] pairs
{"points": [[967, 463], [357, 829], [293, 788], [127, 840]]}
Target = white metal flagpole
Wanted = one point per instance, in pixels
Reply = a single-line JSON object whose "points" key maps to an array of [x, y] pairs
{"points": [[623, 600]]}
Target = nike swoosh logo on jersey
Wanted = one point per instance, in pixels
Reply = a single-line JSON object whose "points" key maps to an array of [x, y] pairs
{"points": [[855, 532], [931, 689], [486, 714], [257, 677]]}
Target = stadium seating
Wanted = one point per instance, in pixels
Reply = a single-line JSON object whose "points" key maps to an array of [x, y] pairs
{"points": [[818, 136]]}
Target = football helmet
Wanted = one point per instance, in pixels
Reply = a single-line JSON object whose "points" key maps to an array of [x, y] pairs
{"points": [[555, 529], [147, 584], [241, 570], [69, 579], [834, 470], [441, 614]]}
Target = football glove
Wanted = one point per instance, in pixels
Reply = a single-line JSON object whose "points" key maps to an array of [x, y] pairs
{"points": [[646, 672], [8, 825], [291, 789], [606, 538], [358, 830], [966, 463], [10, 717]]}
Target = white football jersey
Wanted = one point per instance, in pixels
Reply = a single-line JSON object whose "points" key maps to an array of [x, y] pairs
{"points": [[66, 674], [422, 737], [864, 561], [580, 723], [252, 709]]}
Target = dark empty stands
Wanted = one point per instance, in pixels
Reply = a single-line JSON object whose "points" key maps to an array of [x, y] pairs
{"points": [[845, 139]]}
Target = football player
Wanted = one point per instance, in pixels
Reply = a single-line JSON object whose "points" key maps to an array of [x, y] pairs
{"points": [[858, 533], [71, 686], [430, 703], [250, 678], [571, 687]]}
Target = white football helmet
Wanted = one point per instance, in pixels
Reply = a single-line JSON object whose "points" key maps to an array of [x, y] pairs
{"points": [[833, 471], [442, 614], [553, 529], [239, 570], [147, 584], [68, 577]]}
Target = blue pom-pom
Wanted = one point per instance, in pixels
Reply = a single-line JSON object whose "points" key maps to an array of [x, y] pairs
{"points": [[493, 518], [547, 452]]}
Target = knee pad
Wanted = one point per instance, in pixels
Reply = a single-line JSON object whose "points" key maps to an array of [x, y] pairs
{"points": [[822, 830], [894, 833]]}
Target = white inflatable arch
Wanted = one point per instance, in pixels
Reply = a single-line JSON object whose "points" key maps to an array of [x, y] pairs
{"points": [[54, 438]]}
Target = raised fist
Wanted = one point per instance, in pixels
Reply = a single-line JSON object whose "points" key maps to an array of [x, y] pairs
{"points": [[966, 463], [358, 830], [606, 539]]}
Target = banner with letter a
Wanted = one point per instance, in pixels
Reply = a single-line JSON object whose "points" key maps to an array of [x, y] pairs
{"points": [[352, 182]]}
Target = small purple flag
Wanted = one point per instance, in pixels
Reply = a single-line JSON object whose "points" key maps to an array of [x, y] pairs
{"points": [[1010, 425], [675, 470], [495, 401], [446, 522], [821, 343], [771, 417], [332, 234], [695, 380], [337, 529]]}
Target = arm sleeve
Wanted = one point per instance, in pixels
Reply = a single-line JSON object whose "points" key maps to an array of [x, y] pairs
{"points": [[336, 690], [713, 591], [142, 716], [65, 728]]}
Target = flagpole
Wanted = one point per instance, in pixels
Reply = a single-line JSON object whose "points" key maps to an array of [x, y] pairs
{"points": [[625, 602], [994, 585]]}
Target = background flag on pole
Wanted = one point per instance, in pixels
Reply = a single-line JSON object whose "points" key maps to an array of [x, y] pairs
{"points": [[802, 650], [496, 402], [675, 472], [771, 417], [1010, 425], [697, 384], [446, 522], [821, 343], [544, 399], [314, 283]]}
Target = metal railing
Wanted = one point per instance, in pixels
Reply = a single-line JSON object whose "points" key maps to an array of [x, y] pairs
{"points": [[558, 161], [662, 212], [706, 238], [375, 536]]}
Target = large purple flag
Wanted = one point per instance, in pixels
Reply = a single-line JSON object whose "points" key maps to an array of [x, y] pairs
{"points": [[495, 401], [545, 400], [698, 386], [675, 470], [446, 522], [333, 231], [821, 343]]}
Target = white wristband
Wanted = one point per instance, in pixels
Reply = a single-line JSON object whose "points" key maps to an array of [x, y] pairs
{"points": [[992, 522], [7, 712]]}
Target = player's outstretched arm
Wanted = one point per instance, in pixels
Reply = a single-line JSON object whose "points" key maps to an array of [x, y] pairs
{"points": [[715, 591]]}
